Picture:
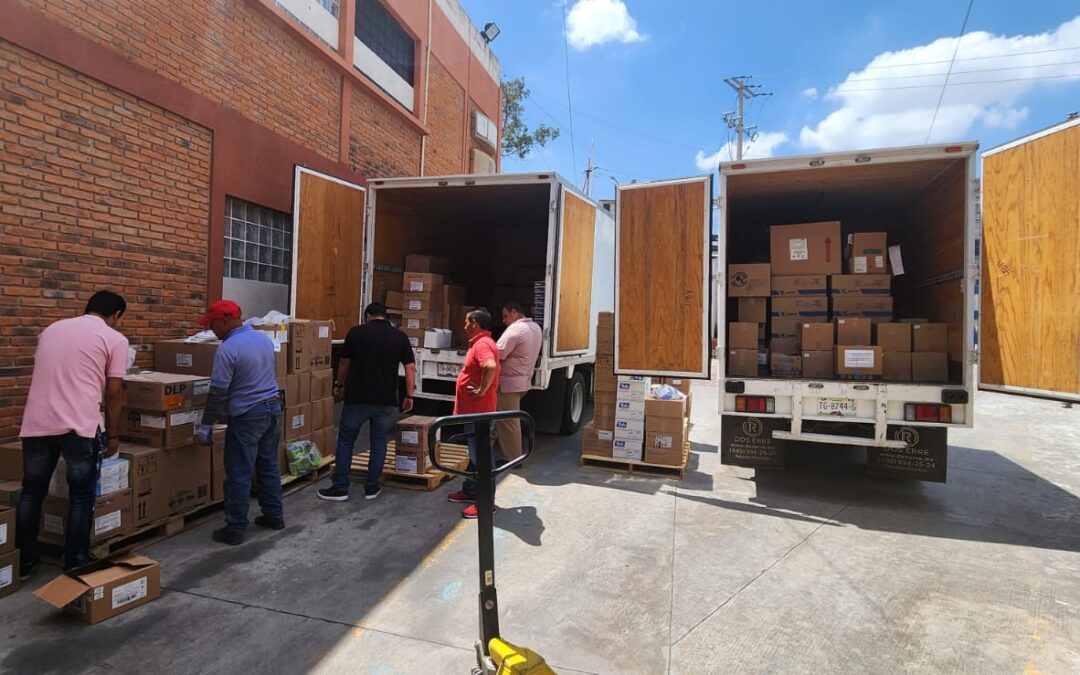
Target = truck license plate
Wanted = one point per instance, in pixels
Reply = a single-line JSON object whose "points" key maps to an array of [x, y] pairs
{"points": [[447, 369], [839, 407]]}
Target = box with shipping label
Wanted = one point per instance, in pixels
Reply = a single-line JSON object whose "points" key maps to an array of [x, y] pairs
{"points": [[423, 302], [876, 307], [786, 345], [623, 393], [638, 382], [105, 588], [748, 281], [322, 413], [860, 284], [411, 443], [430, 264], [162, 392], [665, 448], [817, 365], [112, 517], [9, 573], [930, 337], [322, 384], [800, 284], [853, 331], [929, 367], [896, 366], [415, 335], [297, 421], [173, 429], [187, 358], [858, 360], [422, 320], [298, 348], [785, 365], [189, 476], [893, 337], [633, 411], [113, 476], [7, 529], [655, 408], [806, 248], [320, 345], [753, 310], [150, 484], [421, 282], [395, 300], [632, 450], [742, 363], [817, 337], [742, 335], [628, 431], [869, 253], [800, 306]]}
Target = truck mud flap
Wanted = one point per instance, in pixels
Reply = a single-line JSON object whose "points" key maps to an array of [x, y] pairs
{"points": [[926, 456], [748, 441]]}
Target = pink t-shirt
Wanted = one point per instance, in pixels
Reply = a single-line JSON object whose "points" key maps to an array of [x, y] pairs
{"points": [[519, 346], [72, 360]]}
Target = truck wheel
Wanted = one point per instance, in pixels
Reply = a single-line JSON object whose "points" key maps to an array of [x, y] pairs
{"points": [[573, 404]]}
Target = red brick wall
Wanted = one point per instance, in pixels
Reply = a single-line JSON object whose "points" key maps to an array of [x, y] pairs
{"points": [[224, 50], [381, 144], [97, 190], [446, 118]]}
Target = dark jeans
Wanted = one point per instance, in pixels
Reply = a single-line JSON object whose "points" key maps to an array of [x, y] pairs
{"points": [[40, 455], [251, 445], [353, 418], [470, 485]]}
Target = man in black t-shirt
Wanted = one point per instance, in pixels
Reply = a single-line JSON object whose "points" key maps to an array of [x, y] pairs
{"points": [[367, 381]]}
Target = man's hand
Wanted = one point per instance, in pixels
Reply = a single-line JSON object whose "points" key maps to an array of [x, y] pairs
{"points": [[205, 433], [113, 447], [407, 404], [475, 391], [339, 393]]}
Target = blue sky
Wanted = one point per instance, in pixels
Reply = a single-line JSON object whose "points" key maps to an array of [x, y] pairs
{"points": [[646, 76]]}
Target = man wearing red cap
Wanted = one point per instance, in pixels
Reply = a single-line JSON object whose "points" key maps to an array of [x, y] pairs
{"points": [[243, 390]]}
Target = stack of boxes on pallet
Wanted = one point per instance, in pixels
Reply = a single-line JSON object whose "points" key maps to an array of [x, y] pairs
{"points": [[411, 445], [433, 310], [824, 324], [9, 555], [598, 435]]}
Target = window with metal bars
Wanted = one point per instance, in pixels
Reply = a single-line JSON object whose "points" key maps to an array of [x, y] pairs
{"points": [[382, 34], [258, 243]]}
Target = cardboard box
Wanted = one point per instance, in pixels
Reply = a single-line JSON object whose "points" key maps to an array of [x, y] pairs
{"points": [[665, 448], [217, 466], [298, 348], [749, 281], [322, 413], [869, 253], [785, 365], [322, 384], [438, 338], [742, 363], [105, 588], [321, 344], [605, 319], [187, 358], [415, 335], [290, 388], [743, 335], [631, 450], [785, 345], [11, 461], [817, 337], [633, 411], [112, 517], [853, 331], [411, 444], [421, 282], [806, 248], [800, 306], [893, 337], [423, 302], [10, 492], [297, 421], [913, 320], [281, 359], [800, 284], [896, 366], [395, 300], [422, 320], [858, 360], [150, 484], [165, 391], [9, 573], [682, 384], [655, 408], [930, 337], [188, 476], [431, 264], [7, 529], [173, 429], [303, 388], [113, 476], [753, 310], [929, 367], [817, 365], [877, 307], [626, 430], [326, 440], [860, 284]]}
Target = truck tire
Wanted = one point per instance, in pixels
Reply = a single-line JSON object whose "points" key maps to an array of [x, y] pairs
{"points": [[574, 404]]}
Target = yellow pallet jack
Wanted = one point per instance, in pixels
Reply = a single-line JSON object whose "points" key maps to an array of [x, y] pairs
{"points": [[494, 656]]}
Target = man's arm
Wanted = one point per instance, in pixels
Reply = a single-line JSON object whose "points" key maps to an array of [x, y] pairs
{"points": [[507, 341], [217, 400], [410, 387], [340, 378], [114, 403], [487, 379]]}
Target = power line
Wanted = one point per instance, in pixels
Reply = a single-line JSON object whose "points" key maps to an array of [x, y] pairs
{"points": [[945, 84], [569, 104], [966, 72], [961, 84]]}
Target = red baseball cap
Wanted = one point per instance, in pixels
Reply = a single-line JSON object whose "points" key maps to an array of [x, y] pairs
{"points": [[222, 309]]}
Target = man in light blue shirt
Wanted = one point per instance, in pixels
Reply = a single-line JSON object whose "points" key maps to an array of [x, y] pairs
{"points": [[243, 391]]}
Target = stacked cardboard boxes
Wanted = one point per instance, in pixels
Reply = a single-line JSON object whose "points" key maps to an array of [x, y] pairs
{"points": [[666, 427], [308, 389], [431, 306], [628, 439], [598, 436], [9, 555], [930, 347], [747, 348], [411, 444]]}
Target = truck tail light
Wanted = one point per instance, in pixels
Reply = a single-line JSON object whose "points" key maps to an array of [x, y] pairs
{"points": [[755, 404], [927, 412]]}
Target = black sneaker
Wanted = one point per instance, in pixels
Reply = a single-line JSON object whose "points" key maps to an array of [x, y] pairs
{"points": [[269, 523], [370, 494], [28, 569], [333, 494], [227, 535]]}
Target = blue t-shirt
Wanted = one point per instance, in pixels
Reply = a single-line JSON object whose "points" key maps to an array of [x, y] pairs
{"points": [[244, 365]]}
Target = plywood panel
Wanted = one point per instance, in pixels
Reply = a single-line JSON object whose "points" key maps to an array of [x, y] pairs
{"points": [[1031, 277], [662, 298], [574, 308], [329, 251]]}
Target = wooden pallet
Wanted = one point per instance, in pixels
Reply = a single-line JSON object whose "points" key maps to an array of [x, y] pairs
{"points": [[450, 454], [634, 466], [290, 483]]}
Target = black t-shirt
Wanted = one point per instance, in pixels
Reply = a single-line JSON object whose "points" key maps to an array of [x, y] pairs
{"points": [[374, 351]]}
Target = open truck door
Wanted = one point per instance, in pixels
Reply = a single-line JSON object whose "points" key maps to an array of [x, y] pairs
{"points": [[663, 278], [328, 248], [574, 274]]}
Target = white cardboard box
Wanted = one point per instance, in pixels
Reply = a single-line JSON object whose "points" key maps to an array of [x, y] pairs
{"points": [[627, 450]]}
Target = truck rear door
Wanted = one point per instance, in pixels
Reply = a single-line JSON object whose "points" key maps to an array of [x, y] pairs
{"points": [[573, 274], [663, 277]]}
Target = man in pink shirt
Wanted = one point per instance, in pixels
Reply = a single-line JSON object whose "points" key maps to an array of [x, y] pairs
{"points": [[519, 348], [78, 363]]}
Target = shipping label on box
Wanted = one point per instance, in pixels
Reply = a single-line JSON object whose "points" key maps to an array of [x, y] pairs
{"points": [[105, 588], [860, 284], [858, 360], [805, 249], [7, 530], [297, 420], [748, 280], [188, 358], [627, 449], [9, 576], [800, 284], [422, 282]]}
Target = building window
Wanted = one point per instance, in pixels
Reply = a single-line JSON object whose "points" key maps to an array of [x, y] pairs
{"points": [[330, 6], [382, 34], [319, 16], [258, 243]]}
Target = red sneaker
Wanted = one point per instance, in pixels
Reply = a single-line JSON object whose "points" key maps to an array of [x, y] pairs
{"points": [[460, 497], [470, 512]]}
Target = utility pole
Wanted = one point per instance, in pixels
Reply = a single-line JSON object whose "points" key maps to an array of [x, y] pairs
{"points": [[735, 120], [589, 170]]}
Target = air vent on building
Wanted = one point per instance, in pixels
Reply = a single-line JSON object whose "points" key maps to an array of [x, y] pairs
{"points": [[482, 162], [485, 130]]}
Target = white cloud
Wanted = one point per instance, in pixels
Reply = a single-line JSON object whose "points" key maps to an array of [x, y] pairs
{"points": [[885, 103], [810, 93], [764, 146], [595, 22]]}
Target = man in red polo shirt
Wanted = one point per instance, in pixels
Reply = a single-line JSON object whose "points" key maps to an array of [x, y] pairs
{"points": [[477, 391]]}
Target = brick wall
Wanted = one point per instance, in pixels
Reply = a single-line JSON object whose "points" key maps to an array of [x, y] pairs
{"points": [[446, 118], [381, 144], [224, 50], [97, 190]]}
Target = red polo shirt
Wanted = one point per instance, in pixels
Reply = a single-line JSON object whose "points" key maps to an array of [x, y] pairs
{"points": [[481, 350]]}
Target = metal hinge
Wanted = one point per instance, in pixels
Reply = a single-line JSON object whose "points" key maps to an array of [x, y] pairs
{"points": [[974, 356]]}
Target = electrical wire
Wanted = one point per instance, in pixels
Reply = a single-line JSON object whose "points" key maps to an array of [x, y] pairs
{"points": [[962, 84], [569, 103], [966, 72], [945, 84]]}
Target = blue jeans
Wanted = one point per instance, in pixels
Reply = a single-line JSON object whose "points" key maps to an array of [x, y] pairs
{"points": [[40, 455], [251, 445], [470, 485], [352, 420]]}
